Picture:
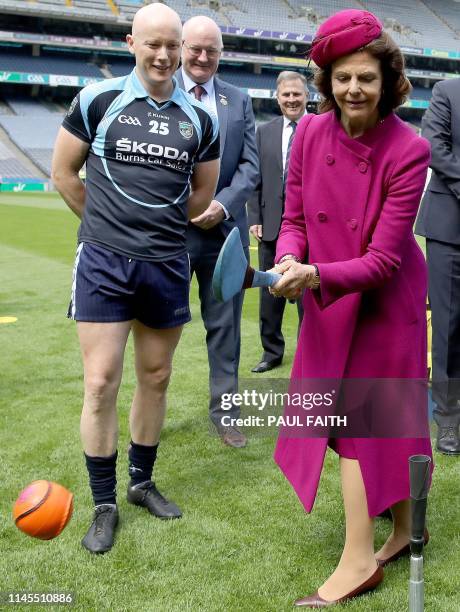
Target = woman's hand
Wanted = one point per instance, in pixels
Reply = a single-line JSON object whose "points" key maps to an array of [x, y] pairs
{"points": [[296, 277]]}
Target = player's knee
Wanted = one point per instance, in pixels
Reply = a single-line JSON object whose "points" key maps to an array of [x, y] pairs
{"points": [[100, 388], [155, 379]]}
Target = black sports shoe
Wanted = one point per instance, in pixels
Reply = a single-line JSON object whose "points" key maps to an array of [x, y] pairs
{"points": [[147, 495], [99, 537]]}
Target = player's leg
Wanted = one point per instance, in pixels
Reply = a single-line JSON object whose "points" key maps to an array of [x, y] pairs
{"points": [[162, 308], [102, 347], [154, 350], [102, 306]]}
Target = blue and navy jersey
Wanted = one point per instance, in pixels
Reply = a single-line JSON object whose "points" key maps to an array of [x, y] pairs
{"points": [[139, 165]]}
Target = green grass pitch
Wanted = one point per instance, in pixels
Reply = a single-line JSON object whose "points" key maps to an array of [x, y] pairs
{"points": [[244, 543]]}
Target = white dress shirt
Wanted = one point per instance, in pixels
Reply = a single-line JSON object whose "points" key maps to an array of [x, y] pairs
{"points": [[209, 97], [287, 131]]}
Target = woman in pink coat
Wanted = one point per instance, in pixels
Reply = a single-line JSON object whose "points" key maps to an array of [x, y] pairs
{"points": [[356, 175]]}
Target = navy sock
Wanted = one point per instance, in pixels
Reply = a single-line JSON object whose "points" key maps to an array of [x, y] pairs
{"points": [[141, 461], [102, 478]]}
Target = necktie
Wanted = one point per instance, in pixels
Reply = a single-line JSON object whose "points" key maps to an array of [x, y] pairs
{"points": [[198, 91], [293, 125]]}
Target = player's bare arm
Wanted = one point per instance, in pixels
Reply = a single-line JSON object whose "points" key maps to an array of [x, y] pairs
{"points": [[204, 183], [69, 156]]}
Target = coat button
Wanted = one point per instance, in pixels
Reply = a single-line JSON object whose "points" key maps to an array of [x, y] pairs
{"points": [[322, 217], [329, 160], [362, 166], [353, 224]]}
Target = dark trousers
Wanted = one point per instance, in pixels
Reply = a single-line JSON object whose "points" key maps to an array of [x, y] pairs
{"points": [[444, 294], [271, 309], [222, 321]]}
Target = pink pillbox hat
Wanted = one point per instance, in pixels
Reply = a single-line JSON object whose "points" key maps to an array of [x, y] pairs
{"points": [[343, 33]]}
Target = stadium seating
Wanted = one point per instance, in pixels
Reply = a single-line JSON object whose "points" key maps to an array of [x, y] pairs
{"points": [[20, 105], [41, 158], [241, 78], [10, 167], [128, 8], [448, 12], [310, 14], [119, 66], [97, 9], [422, 23], [419, 25], [19, 59], [420, 93], [35, 138], [434, 23]]}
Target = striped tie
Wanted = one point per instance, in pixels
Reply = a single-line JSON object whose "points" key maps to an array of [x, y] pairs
{"points": [[198, 91], [293, 125]]}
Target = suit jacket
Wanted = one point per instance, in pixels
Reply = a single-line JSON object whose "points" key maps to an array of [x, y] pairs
{"points": [[439, 217], [266, 204], [239, 163]]}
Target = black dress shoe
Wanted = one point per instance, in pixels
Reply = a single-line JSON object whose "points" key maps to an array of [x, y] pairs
{"points": [[147, 495], [448, 441], [266, 366], [99, 537]]}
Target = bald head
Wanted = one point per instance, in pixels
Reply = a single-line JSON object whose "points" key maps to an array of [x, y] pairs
{"points": [[202, 26], [202, 47], [155, 15], [155, 42]]}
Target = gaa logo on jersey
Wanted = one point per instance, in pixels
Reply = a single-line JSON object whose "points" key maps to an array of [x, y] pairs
{"points": [[129, 120], [186, 129]]}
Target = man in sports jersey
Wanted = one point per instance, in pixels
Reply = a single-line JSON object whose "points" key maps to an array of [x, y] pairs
{"points": [[152, 162]]}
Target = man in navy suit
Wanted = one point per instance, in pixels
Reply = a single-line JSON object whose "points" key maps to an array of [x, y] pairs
{"points": [[201, 51], [439, 222]]}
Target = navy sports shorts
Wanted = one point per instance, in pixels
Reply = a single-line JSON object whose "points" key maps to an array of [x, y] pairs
{"points": [[108, 287]]}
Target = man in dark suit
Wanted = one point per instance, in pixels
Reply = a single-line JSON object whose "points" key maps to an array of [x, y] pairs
{"points": [[274, 140], [439, 222], [202, 47]]}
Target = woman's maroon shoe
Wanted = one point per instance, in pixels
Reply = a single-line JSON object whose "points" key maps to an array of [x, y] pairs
{"points": [[402, 552], [315, 601]]}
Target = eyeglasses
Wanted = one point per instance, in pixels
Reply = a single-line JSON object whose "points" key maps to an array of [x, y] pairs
{"points": [[197, 51]]}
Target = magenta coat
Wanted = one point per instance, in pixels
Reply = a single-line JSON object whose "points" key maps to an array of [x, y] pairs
{"points": [[351, 204]]}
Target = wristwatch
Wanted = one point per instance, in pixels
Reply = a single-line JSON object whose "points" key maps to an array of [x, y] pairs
{"points": [[289, 256], [316, 279]]}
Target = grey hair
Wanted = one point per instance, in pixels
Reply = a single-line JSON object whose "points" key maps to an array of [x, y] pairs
{"points": [[290, 75]]}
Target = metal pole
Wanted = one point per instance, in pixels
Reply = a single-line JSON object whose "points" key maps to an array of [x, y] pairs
{"points": [[419, 471], [416, 585]]}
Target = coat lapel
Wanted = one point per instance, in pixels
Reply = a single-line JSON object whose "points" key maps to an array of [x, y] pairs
{"points": [[278, 139], [223, 106]]}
